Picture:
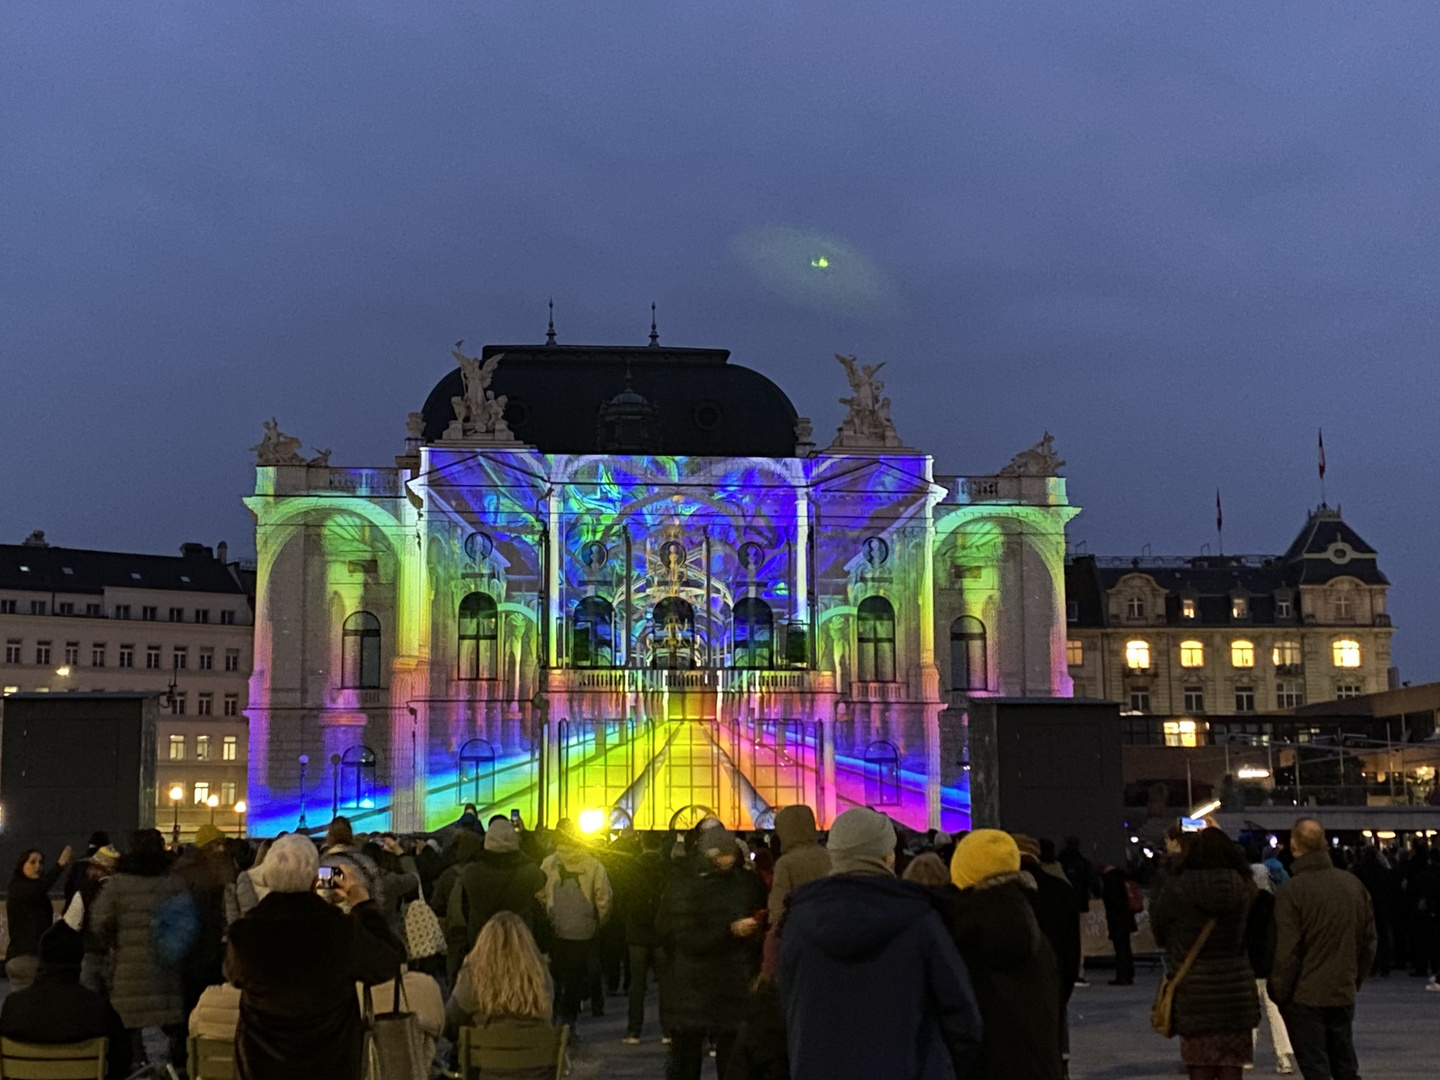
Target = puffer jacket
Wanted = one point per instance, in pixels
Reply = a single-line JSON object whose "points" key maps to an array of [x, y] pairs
{"points": [[144, 991], [803, 858], [709, 967], [1013, 971], [1218, 993]]}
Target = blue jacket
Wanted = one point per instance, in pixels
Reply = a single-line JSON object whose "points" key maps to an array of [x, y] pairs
{"points": [[873, 985]]}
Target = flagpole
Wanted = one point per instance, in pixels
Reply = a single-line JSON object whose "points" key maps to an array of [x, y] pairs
{"points": [[1320, 438], [1219, 525]]}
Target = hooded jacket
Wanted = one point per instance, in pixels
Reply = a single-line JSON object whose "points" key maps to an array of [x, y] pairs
{"points": [[802, 858], [497, 881], [1218, 993], [1013, 970], [594, 882], [871, 984]]}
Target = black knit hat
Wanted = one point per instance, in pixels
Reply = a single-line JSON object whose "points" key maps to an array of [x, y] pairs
{"points": [[61, 946]]}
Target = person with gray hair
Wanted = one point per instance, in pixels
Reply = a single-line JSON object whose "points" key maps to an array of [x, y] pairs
{"points": [[296, 959], [1325, 942]]}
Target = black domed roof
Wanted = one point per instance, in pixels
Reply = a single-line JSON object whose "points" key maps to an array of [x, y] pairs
{"points": [[705, 406]]}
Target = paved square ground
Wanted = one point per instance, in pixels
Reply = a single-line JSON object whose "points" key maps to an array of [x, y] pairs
{"points": [[1397, 1032]]}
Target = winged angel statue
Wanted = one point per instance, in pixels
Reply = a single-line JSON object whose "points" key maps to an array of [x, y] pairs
{"points": [[868, 421], [479, 411]]}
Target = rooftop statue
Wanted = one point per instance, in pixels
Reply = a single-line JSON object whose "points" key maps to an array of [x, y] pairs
{"points": [[479, 411], [277, 448], [1039, 460], [867, 423]]}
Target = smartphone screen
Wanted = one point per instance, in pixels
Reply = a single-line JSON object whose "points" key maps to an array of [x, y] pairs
{"points": [[514, 817], [326, 876]]}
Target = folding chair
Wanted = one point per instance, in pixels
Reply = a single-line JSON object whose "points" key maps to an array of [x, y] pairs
{"points": [[53, 1061], [210, 1059], [503, 1048]]}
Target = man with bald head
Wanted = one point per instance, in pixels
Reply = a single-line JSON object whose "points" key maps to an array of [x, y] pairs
{"points": [[1324, 946]]}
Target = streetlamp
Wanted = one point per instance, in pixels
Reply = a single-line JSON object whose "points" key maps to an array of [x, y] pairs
{"points": [[240, 809], [176, 794], [213, 801], [304, 761]]}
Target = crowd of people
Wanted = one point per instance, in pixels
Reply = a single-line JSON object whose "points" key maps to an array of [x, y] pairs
{"points": [[782, 954]]}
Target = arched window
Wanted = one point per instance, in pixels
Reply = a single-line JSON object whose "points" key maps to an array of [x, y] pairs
{"points": [[479, 637], [1346, 652], [1286, 654], [968, 667], [754, 634], [875, 639], [1242, 653], [882, 774], [476, 774], [1192, 654], [1137, 655], [592, 640], [673, 635], [360, 651], [357, 778]]}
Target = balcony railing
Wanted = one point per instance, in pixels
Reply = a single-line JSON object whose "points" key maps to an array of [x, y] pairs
{"points": [[679, 680]]}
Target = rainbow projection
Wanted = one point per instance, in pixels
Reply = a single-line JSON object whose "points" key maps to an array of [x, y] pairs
{"points": [[655, 638]]}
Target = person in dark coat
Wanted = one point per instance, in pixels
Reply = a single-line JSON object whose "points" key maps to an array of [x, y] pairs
{"points": [[500, 879], [1216, 1007], [871, 983], [1053, 902], [646, 882], [29, 913], [56, 1009], [208, 873], [1011, 965], [1119, 922], [709, 922], [465, 847], [1378, 878], [75, 877], [296, 960]]}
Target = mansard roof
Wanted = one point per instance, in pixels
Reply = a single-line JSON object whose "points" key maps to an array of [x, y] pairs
{"points": [[40, 568], [707, 407]]}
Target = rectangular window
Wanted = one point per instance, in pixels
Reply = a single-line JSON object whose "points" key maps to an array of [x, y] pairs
{"points": [[181, 654], [65, 607], [227, 792], [1239, 607], [37, 607], [94, 611], [127, 656], [1137, 655], [177, 705], [227, 617], [122, 611], [232, 659], [97, 655], [1187, 609], [202, 792], [232, 704], [1074, 652], [230, 744], [204, 704], [147, 614], [1135, 607], [202, 615], [177, 747], [1286, 654], [205, 661], [8, 690], [1072, 610], [12, 650], [1179, 733], [42, 652], [1194, 699], [1244, 699], [1289, 695], [1140, 699], [1283, 609], [1349, 690], [72, 653], [202, 747], [177, 614], [7, 607], [1344, 607]]}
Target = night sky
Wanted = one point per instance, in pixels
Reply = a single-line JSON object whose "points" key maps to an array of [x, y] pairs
{"points": [[1180, 236]]}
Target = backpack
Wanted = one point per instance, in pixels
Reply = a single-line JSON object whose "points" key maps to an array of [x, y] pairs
{"points": [[571, 912], [423, 936], [174, 929]]}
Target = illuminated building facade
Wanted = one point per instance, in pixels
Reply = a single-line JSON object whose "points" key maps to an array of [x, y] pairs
{"points": [[626, 579]]}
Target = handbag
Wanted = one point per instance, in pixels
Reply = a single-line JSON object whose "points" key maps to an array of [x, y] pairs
{"points": [[1162, 1011], [395, 1045], [423, 936]]}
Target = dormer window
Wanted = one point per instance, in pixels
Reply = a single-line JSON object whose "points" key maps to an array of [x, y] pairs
{"points": [[1239, 607], [1284, 608], [1135, 607], [1188, 608]]}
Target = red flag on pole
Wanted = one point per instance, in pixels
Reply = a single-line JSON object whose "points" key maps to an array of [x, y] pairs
{"points": [[1219, 517], [1322, 453]]}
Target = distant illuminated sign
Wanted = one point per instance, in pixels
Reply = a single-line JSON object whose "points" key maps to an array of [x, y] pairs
{"points": [[821, 263]]}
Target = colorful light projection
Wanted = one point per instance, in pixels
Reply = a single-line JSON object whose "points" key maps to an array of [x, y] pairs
{"points": [[656, 637]]}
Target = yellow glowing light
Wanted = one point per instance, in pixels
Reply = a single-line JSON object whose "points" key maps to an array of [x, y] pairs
{"points": [[1385, 834], [1346, 652], [821, 263], [1205, 809], [1251, 772], [1137, 655], [63, 670], [177, 793], [592, 820], [240, 807], [213, 801]]}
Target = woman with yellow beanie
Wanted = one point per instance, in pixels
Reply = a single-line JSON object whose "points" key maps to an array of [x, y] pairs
{"points": [[1012, 966]]}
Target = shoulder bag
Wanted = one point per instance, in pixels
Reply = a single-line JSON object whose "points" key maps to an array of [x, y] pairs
{"points": [[1161, 1012], [395, 1047]]}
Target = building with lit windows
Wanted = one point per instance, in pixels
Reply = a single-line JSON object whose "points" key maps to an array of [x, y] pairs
{"points": [[1186, 639], [75, 620], [625, 580]]}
